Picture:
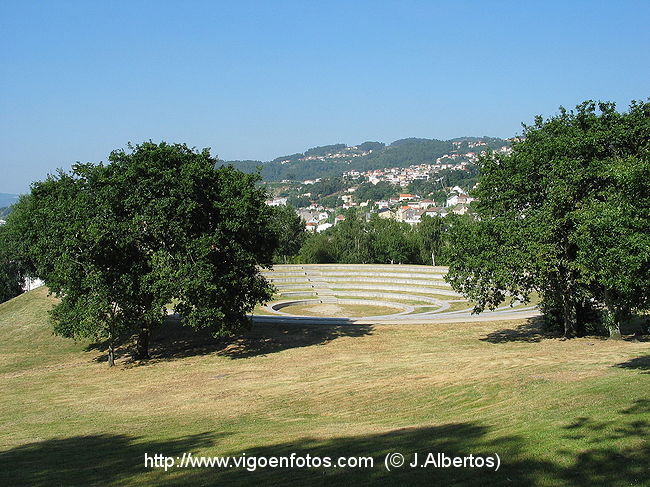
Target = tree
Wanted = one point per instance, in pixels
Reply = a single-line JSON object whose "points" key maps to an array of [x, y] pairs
{"points": [[118, 242], [289, 230], [12, 276], [534, 207], [351, 244], [430, 233], [613, 238], [392, 242], [318, 249], [375, 192]]}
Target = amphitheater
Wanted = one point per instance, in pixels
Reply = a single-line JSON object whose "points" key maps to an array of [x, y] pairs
{"points": [[372, 294]]}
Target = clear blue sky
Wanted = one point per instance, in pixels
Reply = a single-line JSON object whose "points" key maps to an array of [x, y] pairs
{"points": [[256, 80]]}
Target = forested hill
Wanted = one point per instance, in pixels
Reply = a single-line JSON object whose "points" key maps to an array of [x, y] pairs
{"points": [[334, 160], [7, 199]]}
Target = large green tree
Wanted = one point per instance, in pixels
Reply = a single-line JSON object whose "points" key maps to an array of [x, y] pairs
{"points": [[158, 223], [535, 207], [430, 233], [392, 241], [613, 239]]}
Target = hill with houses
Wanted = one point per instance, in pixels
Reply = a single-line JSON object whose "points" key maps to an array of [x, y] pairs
{"points": [[338, 159], [405, 181]]}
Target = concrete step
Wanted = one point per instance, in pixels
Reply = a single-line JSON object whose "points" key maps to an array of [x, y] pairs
{"points": [[324, 291]]}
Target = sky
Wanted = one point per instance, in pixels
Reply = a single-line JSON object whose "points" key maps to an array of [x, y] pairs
{"points": [[257, 80]]}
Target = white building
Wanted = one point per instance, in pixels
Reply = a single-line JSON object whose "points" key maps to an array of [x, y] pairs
{"points": [[323, 226], [277, 202], [32, 284]]}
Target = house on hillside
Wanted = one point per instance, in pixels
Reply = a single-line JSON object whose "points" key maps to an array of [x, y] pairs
{"points": [[312, 216], [383, 204], [323, 226], [412, 216], [347, 199], [385, 213], [458, 199], [400, 214], [277, 202]]}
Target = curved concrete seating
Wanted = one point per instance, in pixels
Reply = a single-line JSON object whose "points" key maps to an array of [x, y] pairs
{"points": [[362, 267], [373, 284], [398, 288], [384, 295], [288, 281], [337, 274]]}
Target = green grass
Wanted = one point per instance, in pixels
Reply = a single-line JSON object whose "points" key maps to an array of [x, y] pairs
{"points": [[558, 412]]}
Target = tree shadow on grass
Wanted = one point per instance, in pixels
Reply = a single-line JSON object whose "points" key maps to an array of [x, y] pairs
{"points": [[104, 459], [173, 341], [264, 339], [588, 456], [639, 363], [532, 331], [602, 463]]}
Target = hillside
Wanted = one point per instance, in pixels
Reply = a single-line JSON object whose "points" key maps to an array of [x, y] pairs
{"points": [[7, 199], [557, 412], [333, 160]]}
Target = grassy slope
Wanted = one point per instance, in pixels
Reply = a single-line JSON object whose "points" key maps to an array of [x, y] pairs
{"points": [[557, 412]]}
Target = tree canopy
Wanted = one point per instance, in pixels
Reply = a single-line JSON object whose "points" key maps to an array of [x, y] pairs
{"points": [[289, 230], [12, 275], [566, 214], [361, 240], [159, 223]]}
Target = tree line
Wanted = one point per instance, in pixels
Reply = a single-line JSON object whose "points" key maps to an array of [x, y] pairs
{"points": [[375, 240]]}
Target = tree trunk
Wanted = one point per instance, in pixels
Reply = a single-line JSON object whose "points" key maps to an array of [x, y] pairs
{"points": [[615, 331], [569, 301], [142, 344], [111, 353], [616, 316], [569, 316]]}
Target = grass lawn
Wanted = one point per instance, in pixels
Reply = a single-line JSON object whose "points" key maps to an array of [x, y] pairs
{"points": [[557, 412]]}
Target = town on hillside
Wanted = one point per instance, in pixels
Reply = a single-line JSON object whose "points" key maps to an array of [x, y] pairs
{"points": [[405, 194]]}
